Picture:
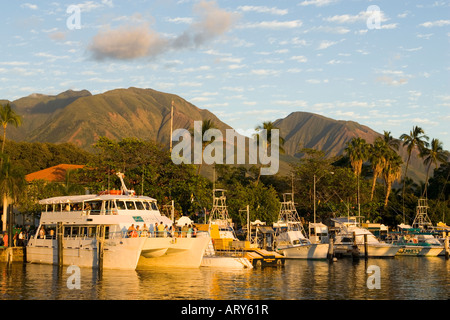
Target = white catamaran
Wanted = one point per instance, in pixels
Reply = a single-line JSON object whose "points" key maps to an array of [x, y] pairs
{"points": [[82, 217]]}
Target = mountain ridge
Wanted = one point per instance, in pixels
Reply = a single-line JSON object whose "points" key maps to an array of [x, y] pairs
{"points": [[81, 118]]}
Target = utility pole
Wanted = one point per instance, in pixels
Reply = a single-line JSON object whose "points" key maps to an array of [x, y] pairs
{"points": [[171, 127]]}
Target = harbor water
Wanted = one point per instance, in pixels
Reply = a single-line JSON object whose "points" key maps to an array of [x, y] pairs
{"points": [[399, 278]]}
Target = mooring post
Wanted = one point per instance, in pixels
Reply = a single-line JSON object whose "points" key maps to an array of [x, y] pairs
{"points": [[446, 247], [355, 249], [366, 253], [331, 249], [59, 237], [100, 247]]}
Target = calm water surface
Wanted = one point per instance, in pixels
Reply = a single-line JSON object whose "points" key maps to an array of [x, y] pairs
{"points": [[403, 278]]}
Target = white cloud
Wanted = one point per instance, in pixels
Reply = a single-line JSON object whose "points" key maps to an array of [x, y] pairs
{"points": [[326, 44], [292, 103], [299, 58], [317, 3], [29, 6], [275, 24], [316, 81], [179, 20], [437, 23], [264, 9], [130, 42], [389, 26], [348, 18], [264, 72]]}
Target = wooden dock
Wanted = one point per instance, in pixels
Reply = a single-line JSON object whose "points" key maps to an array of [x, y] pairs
{"points": [[12, 254]]}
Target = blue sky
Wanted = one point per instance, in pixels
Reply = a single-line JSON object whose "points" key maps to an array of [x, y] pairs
{"points": [[386, 67]]}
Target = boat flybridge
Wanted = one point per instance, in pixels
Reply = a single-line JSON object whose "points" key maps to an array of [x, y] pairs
{"points": [[131, 234], [291, 237]]}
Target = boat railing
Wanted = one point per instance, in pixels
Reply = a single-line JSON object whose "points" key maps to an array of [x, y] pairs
{"points": [[164, 234], [43, 241]]}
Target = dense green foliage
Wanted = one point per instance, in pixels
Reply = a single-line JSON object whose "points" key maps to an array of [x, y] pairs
{"points": [[149, 170]]}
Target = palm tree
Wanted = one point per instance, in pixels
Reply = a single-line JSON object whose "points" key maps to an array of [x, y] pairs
{"points": [[377, 157], [394, 144], [415, 139], [7, 115], [268, 126], [357, 151], [391, 172], [206, 125], [433, 155], [12, 185]]}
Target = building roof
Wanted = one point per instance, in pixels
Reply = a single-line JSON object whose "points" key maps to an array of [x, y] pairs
{"points": [[53, 174]]}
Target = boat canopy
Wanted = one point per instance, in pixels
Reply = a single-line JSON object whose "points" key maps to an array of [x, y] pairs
{"points": [[68, 199], [89, 197]]}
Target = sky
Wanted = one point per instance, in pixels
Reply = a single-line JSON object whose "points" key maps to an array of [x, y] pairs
{"points": [[384, 64]]}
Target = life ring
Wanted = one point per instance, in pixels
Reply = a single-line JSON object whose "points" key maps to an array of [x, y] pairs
{"points": [[415, 240]]}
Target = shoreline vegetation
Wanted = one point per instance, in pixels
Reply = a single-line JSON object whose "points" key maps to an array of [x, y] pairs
{"points": [[367, 180]]}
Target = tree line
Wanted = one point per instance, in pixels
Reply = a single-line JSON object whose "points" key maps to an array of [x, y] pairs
{"points": [[366, 180]]}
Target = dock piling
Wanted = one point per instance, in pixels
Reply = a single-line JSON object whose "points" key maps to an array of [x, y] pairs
{"points": [[446, 247], [331, 250], [366, 253], [100, 247], [59, 237]]}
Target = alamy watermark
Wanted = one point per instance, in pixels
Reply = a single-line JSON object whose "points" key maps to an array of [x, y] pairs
{"points": [[374, 19], [74, 20], [374, 280], [74, 280], [259, 148]]}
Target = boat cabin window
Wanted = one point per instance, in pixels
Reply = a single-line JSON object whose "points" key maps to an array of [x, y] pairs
{"points": [[82, 231], [109, 206], [149, 205], [130, 205], [140, 205], [121, 205], [75, 231], [93, 207]]}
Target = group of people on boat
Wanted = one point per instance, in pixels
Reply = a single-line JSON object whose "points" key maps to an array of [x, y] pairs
{"points": [[162, 230]]}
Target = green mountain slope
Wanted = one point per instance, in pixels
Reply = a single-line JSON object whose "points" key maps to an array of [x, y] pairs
{"points": [[308, 130], [80, 118]]}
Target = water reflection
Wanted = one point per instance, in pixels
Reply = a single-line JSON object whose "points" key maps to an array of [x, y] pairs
{"points": [[400, 278]]}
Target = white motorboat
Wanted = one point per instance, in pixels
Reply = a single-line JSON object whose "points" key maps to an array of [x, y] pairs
{"points": [[414, 243], [291, 238], [351, 234], [417, 240]]}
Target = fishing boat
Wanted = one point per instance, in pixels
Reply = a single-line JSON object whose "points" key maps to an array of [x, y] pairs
{"points": [[291, 238], [351, 237], [418, 239], [414, 242], [226, 250], [131, 238], [220, 253]]}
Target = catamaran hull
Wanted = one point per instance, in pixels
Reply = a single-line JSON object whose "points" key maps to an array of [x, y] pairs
{"points": [[308, 251], [120, 254], [173, 252]]}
